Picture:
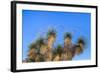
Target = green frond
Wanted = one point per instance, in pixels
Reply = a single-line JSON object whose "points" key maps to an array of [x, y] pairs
{"points": [[51, 33], [59, 49], [32, 45], [67, 35], [40, 42], [81, 40]]}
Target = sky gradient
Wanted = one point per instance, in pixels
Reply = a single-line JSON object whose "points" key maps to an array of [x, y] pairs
{"points": [[36, 24]]}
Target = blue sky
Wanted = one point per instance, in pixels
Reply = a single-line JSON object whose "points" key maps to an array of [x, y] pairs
{"points": [[36, 24]]}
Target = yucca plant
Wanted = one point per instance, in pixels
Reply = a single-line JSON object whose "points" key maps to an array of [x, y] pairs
{"points": [[51, 32], [67, 35], [51, 35], [67, 39], [81, 40], [81, 43]]}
